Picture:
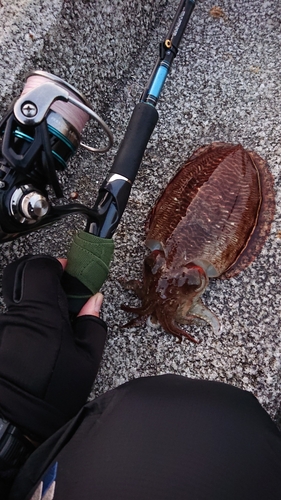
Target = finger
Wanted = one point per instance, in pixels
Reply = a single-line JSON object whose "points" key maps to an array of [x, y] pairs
{"points": [[63, 263], [93, 306]]}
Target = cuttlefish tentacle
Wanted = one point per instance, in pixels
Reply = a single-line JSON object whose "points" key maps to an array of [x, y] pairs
{"points": [[199, 310], [143, 313], [135, 285], [140, 320], [170, 325]]}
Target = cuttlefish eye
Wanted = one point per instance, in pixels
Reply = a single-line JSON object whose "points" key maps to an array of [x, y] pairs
{"points": [[154, 261]]}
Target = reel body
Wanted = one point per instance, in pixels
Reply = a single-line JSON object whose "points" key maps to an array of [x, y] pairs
{"points": [[38, 136]]}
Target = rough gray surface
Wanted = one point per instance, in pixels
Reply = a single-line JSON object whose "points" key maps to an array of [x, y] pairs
{"points": [[224, 86]]}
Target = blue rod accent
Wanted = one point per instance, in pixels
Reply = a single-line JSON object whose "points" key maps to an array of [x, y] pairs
{"points": [[158, 81]]}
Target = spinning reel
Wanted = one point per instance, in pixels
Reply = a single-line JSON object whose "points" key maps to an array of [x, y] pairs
{"points": [[41, 132], [38, 135]]}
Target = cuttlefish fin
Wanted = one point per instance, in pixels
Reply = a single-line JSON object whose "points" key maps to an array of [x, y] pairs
{"points": [[199, 310]]}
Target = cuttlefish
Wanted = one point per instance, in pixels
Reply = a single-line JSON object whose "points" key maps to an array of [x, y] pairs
{"points": [[211, 221]]}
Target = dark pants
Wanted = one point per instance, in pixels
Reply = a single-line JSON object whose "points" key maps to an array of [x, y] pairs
{"points": [[165, 437]]}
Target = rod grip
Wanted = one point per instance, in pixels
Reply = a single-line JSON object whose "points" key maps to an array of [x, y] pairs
{"points": [[88, 264], [133, 145]]}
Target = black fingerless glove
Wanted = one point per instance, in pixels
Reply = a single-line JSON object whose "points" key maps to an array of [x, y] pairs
{"points": [[47, 365]]}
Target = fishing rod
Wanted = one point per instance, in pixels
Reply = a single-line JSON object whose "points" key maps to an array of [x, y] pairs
{"points": [[91, 251], [115, 191], [39, 134]]}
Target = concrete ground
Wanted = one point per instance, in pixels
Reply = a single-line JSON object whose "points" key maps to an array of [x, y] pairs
{"points": [[224, 86]]}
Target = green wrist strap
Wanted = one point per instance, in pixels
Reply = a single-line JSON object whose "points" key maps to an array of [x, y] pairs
{"points": [[89, 258]]}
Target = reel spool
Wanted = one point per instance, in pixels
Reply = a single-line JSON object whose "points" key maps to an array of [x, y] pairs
{"points": [[38, 136]]}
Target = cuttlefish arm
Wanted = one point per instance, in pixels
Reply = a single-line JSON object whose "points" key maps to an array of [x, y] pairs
{"points": [[199, 310]]}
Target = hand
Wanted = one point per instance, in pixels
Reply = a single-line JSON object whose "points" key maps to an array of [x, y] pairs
{"points": [[93, 305], [47, 364]]}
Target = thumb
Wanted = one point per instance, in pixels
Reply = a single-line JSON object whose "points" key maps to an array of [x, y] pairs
{"points": [[63, 263], [92, 306]]}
